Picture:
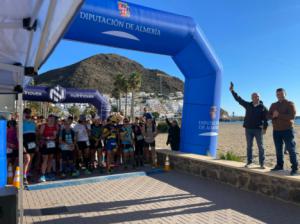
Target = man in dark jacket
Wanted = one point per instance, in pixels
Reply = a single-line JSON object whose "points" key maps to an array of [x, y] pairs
{"points": [[255, 124], [173, 135]]}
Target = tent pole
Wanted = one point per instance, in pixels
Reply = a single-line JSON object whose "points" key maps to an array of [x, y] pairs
{"points": [[20, 138], [20, 141]]}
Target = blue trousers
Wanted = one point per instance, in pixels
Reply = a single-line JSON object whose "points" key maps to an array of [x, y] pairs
{"points": [[258, 135], [286, 137]]}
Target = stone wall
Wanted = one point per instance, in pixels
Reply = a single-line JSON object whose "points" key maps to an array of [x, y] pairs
{"points": [[273, 184]]}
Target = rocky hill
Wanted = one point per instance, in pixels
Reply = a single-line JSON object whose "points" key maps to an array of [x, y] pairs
{"points": [[99, 71]]}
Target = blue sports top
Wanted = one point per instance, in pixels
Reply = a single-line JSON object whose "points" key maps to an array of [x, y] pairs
{"points": [[29, 127]]}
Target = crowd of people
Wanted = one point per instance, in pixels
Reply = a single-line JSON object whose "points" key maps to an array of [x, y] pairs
{"points": [[282, 113], [57, 148]]}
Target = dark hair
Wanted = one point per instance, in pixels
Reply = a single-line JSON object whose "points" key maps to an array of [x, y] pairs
{"points": [[27, 111], [11, 123], [280, 90]]}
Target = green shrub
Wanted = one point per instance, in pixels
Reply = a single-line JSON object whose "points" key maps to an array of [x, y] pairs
{"points": [[230, 156], [162, 127], [155, 115]]}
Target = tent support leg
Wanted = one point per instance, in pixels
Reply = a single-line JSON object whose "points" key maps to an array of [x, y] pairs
{"points": [[20, 137]]}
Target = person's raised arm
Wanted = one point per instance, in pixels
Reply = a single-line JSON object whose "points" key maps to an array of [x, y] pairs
{"points": [[241, 101]]}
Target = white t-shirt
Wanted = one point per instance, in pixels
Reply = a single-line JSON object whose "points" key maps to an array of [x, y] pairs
{"points": [[73, 125], [81, 132]]}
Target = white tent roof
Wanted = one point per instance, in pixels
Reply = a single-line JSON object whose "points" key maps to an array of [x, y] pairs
{"points": [[28, 47]]}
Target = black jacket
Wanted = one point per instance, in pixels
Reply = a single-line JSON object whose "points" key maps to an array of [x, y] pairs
{"points": [[256, 117], [173, 136]]}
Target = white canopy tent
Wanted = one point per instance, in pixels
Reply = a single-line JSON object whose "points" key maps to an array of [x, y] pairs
{"points": [[29, 31]]}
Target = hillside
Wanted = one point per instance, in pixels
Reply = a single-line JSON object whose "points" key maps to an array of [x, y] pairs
{"points": [[99, 71]]}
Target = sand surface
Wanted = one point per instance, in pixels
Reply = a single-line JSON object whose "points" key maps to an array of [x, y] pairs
{"points": [[232, 138]]}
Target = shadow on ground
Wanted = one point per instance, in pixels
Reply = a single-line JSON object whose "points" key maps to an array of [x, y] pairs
{"points": [[218, 197]]}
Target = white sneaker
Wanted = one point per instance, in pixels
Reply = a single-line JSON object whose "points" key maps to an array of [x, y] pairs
{"points": [[247, 165]]}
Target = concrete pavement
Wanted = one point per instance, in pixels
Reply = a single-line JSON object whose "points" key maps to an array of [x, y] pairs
{"points": [[162, 198]]}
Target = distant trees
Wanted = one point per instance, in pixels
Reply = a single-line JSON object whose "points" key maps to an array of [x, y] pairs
{"points": [[35, 107], [123, 85], [53, 109], [155, 115], [116, 93], [134, 84], [90, 110], [74, 111], [119, 86]]}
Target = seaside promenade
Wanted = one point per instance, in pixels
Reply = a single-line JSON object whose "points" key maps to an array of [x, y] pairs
{"points": [[170, 197]]}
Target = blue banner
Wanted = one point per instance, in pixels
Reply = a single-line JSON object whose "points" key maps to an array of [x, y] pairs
{"points": [[130, 26], [59, 94]]}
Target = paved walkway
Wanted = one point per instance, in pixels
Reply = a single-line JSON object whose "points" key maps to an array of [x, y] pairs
{"points": [[163, 198]]}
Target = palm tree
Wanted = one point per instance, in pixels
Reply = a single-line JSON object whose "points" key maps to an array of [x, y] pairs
{"points": [[124, 89], [121, 85], [118, 83], [134, 84], [74, 111], [116, 93]]}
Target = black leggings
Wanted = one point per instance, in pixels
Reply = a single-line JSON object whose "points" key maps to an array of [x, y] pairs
{"points": [[139, 146]]}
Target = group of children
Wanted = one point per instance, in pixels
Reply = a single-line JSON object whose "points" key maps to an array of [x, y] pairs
{"points": [[58, 148]]}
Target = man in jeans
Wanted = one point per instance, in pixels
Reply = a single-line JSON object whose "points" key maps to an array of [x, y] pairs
{"points": [[255, 124], [283, 113]]}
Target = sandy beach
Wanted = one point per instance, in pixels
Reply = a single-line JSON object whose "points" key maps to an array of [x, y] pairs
{"points": [[232, 138]]}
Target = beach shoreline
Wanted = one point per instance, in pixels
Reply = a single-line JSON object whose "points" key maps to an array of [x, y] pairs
{"points": [[232, 139]]}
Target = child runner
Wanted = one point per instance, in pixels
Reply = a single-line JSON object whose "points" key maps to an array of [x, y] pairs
{"points": [[126, 135], [110, 136], [67, 145]]}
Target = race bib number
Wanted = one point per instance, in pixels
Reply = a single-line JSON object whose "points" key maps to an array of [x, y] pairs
{"points": [[31, 145], [87, 143], [9, 150], [139, 137], [65, 147], [50, 145]]}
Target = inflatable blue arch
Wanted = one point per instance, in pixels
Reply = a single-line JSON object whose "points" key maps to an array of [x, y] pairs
{"points": [[125, 25], [58, 94]]}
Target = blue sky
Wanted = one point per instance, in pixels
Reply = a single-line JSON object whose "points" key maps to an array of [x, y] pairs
{"points": [[257, 42]]}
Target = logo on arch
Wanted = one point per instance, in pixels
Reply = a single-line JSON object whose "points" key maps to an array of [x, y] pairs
{"points": [[57, 94], [213, 112], [123, 9]]}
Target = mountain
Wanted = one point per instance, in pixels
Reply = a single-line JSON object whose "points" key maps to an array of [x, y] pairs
{"points": [[98, 72]]}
